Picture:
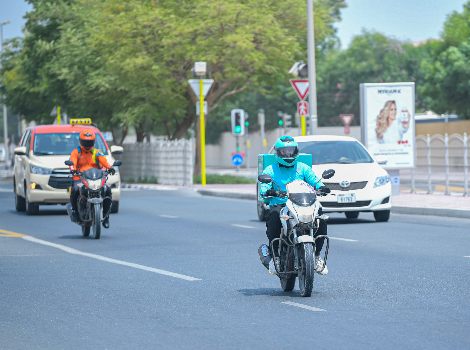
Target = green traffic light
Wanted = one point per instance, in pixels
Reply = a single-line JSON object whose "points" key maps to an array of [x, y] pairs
{"points": [[247, 123], [238, 129], [280, 122]]}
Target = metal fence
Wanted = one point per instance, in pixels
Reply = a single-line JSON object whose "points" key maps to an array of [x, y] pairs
{"points": [[442, 165], [164, 162]]}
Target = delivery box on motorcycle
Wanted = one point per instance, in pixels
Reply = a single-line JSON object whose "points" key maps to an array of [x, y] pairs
{"points": [[265, 160]]}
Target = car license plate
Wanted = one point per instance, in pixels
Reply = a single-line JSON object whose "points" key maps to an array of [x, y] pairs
{"points": [[346, 198]]}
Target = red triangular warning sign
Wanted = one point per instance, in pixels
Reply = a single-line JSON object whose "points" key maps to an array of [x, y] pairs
{"points": [[301, 87]]}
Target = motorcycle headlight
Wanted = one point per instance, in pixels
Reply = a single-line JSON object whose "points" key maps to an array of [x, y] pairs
{"points": [[94, 184], [40, 170], [381, 180]]}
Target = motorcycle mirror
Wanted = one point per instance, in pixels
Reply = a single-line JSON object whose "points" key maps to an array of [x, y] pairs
{"points": [[117, 163], [328, 174], [265, 178], [68, 162]]}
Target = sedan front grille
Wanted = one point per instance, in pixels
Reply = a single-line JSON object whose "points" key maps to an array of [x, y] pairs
{"points": [[335, 186], [345, 205]]}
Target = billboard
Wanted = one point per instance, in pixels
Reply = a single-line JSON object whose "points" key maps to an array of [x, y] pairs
{"points": [[387, 122]]}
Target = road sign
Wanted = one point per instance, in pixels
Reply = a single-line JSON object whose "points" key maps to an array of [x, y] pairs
{"points": [[194, 83], [198, 107], [301, 87], [237, 159], [302, 108]]}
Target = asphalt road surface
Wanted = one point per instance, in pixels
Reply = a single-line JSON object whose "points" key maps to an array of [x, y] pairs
{"points": [[177, 270]]}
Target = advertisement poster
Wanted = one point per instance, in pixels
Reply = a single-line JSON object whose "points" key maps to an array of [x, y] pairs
{"points": [[387, 122]]}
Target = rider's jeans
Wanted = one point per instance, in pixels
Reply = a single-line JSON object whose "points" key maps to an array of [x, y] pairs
{"points": [[273, 229]]}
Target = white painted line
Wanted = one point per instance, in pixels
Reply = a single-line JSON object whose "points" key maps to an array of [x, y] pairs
{"points": [[467, 256], [242, 226], [5, 190], [110, 260], [302, 306], [168, 216], [343, 239]]}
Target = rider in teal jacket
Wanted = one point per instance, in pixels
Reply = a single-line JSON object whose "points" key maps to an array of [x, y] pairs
{"points": [[285, 170]]}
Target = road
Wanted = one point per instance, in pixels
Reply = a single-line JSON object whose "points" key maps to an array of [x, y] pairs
{"points": [[177, 270]]}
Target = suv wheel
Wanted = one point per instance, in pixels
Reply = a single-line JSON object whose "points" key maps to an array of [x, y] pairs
{"points": [[31, 208], [115, 207], [20, 203], [382, 215], [351, 214]]}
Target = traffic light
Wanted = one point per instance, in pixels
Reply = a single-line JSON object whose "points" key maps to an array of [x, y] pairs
{"points": [[280, 121], [238, 122]]}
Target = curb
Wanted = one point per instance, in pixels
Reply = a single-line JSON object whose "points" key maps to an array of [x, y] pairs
{"points": [[453, 213]]}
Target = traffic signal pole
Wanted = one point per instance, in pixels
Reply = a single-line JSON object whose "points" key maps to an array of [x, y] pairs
{"points": [[202, 129]]}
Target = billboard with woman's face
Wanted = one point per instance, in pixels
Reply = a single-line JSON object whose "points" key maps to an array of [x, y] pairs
{"points": [[387, 122]]}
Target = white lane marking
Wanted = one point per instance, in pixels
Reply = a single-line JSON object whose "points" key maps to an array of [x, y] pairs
{"points": [[168, 216], [343, 239], [110, 260], [302, 306], [5, 190], [242, 226], [467, 256]]}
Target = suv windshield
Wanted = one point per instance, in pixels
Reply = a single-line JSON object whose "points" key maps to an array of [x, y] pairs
{"points": [[343, 152], [62, 144]]}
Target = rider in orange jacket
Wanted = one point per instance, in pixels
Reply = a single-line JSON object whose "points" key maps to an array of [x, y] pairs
{"points": [[85, 157]]}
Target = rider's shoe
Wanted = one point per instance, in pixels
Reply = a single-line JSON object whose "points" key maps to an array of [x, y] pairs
{"points": [[74, 216], [106, 222], [320, 266], [264, 255]]}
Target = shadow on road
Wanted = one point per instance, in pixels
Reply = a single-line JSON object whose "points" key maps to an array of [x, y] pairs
{"points": [[274, 292]]}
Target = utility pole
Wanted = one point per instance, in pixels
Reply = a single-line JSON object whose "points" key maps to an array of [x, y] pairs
{"points": [[312, 98], [5, 117]]}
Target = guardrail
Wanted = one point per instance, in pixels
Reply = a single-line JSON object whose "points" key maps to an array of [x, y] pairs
{"points": [[442, 165]]}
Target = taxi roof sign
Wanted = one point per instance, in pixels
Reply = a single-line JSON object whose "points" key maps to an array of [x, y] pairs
{"points": [[80, 121]]}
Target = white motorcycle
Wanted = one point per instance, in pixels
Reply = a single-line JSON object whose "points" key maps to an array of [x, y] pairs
{"points": [[300, 218]]}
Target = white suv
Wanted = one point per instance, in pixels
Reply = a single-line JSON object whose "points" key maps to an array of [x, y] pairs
{"points": [[40, 175]]}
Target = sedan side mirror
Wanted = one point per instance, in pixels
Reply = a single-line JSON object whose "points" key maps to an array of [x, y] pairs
{"points": [[20, 151], [117, 163], [266, 179], [116, 149], [68, 162], [327, 174]]}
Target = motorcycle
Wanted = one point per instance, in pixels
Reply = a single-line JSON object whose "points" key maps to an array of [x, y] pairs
{"points": [[90, 200], [300, 218]]}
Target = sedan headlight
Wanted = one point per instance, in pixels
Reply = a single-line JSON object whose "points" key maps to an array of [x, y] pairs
{"points": [[40, 170], [94, 184], [381, 180]]}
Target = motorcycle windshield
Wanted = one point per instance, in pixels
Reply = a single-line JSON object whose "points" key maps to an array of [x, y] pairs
{"points": [[93, 174], [303, 199]]}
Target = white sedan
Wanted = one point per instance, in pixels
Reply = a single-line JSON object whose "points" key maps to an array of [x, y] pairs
{"points": [[360, 184]]}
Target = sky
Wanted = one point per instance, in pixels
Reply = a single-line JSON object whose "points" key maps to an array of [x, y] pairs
{"points": [[414, 20]]}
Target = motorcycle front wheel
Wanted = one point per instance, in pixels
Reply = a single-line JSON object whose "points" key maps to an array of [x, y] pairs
{"points": [[307, 271], [287, 264], [97, 221]]}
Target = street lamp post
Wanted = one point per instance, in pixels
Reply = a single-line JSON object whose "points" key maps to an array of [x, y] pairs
{"points": [[5, 117], [312, 97]]}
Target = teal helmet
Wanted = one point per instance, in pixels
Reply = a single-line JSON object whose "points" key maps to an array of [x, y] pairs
{"points": [[287, 151]]}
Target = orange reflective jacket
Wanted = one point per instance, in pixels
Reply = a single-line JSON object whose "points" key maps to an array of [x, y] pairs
{"points": [[84, 160]]}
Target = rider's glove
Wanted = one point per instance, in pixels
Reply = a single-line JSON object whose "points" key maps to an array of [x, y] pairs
{"points": [[324, 189], [271, 192], [75, 172], [112, 171]]}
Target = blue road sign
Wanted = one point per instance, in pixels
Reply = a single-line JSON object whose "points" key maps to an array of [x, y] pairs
{"points": [[237, 159]]}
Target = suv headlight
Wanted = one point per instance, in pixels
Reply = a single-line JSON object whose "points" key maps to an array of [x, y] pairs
{"points": [[381, 180], [40, 170]]}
